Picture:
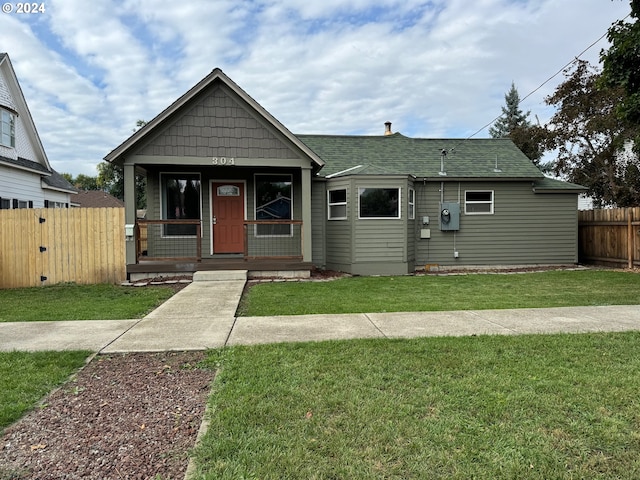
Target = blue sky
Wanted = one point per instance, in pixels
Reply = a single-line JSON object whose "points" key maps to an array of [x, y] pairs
{"points": [[439, 68]]}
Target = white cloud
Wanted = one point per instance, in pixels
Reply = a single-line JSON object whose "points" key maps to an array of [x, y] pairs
{"points": [[433, 68]]}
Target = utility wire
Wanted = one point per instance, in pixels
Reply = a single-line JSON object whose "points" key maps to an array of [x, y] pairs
{"points": [[576, 58]]}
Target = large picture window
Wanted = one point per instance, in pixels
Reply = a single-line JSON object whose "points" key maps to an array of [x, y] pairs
{"points": [[379, 202], [7, 128], [273, 201], [478, 202], [180, 201]]}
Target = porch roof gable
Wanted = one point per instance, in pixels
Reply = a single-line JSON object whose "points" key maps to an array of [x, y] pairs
{"points": [[217, 75]]}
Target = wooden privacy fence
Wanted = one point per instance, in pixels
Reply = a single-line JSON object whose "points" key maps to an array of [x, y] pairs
{"points": [[55, 245], [610, 236]]}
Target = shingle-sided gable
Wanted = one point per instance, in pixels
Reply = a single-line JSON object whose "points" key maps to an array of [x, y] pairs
{"points": [[215, 124], [420, 157], [210, 113]]}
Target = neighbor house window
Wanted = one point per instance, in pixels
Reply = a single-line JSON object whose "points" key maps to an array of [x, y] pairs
{"points": [[412, 204], [273, 201], [5, 203], [52, 204], [478, 202], [180, 201], [379, 202], [7, 128], [337, 204]]}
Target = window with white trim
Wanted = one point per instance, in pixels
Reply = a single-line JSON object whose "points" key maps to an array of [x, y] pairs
{"points": [[5, 203], [337, 200], [412, 204], [7, 128], [180, 201], [379, 203], [478, 202]]}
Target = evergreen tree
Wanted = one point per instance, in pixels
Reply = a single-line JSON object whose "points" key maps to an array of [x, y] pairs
{"points": [[513, 123], [511, 118]]}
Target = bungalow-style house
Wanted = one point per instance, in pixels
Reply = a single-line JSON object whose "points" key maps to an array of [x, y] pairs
{"points": [[229, 186], [26, 177]]}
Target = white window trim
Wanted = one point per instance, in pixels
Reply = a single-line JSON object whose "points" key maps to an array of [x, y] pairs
{"points": [[411, 199], [12, 127], [491, 203], [336, 204], [398, 217], [163, 206]]}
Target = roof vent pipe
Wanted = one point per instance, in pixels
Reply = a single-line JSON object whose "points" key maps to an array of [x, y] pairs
{"points": [[443, 155], [387, 128], [497, 169]]}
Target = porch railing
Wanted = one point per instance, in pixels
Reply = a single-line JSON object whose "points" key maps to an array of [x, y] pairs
{"points": [[273, 239], [181, 240], [164, 240]]}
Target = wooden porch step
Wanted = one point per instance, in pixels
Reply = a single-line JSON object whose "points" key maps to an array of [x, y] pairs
{"points": [[219, 275]]}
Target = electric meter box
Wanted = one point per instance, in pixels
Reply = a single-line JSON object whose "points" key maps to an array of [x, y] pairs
{"points": [[449, 216]]}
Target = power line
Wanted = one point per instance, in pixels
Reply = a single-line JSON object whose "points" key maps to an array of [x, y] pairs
{"points": [[576, 58]]}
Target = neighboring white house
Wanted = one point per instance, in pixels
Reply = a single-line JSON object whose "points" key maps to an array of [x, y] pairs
{"points": [[26, 177]]}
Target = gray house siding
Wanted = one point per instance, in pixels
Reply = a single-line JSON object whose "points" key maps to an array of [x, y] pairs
{"points": [[525, 229], [368, 246], [339, 236], [412, 223], [319, 223]]}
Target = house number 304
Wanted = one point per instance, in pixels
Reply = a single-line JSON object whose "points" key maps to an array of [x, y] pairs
{"points": [[223, 161]]}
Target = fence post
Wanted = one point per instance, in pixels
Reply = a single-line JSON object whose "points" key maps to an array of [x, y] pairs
{"points": [[630, 238]]}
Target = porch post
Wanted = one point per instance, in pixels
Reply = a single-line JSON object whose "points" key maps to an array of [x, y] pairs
{"points": [[306, 215], [130, 210]]}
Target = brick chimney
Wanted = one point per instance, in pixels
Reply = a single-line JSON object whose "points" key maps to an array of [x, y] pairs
{"points": [[387, 128]]}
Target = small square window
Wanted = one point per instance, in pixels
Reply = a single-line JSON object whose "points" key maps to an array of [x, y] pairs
{"points": [[337, 204], [478, 202]]}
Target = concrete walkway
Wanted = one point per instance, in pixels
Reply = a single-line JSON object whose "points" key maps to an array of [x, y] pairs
{"points": [[201, 316]]}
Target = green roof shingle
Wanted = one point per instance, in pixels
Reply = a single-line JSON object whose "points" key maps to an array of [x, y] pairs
{"points": [[421, 157]]}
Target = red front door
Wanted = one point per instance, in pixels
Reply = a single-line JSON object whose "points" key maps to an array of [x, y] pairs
{"points": [[228, 217]]}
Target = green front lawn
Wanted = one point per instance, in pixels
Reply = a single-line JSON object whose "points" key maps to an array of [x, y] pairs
{"points": [[455, 292], [25, 378], [498, 407], [79, 302]]}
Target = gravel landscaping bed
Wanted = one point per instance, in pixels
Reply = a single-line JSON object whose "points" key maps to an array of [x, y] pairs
{"points": [[131, 416]]}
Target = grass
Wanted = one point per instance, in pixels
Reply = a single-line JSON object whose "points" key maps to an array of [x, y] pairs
{"points": [[499, 407], [433, 293], [79, 302], [27, 377]]}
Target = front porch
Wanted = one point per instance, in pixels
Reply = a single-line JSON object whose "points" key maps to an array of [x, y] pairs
{"points": [[256, 267], [274, 251]]}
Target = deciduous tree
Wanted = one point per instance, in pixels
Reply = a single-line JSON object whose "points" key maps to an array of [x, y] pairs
{"points": [[592, 139], [621, 67]]}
